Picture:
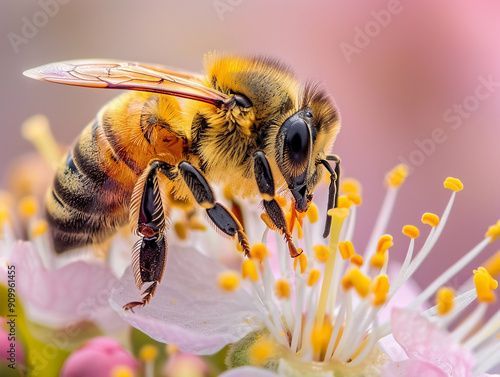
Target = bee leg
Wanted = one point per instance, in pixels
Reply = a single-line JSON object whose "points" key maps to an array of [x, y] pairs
{"points": [[150, 252], [265, 182], [223, 219], [333, 189]]}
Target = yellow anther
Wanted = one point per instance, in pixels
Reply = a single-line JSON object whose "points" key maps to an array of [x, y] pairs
{"points": [[397, 176], [453, 184], [312, 213], [228, 193], [37, 130], [354, 278], [302, 261], [228, 280], [378, 260], [171, 349], [39, 228], [280, 200], [320, 336], [262, 351], [4, 213], [485, 285], [444, 300], [321, 252], [282, 289], [344, 202], [492, 265], [259, 251], [181, 230], [28, 206], [339, 213], [384, 243], [122, 371], [195, 224], [380, 289], [313, 277], [346, 249], [350, 186], [355, 199], [493, 231], [411, 231], [430, 219], [249, 270], [357, 260], [148, 353]]}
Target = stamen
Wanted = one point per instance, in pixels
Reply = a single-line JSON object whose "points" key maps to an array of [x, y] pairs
{"points": [[228, 281], [302, 261], [394, 179], [410, 231], [148, 353], [261, 351], [37, 130], [312, 213], [453, 184], [338, 217], [493, 231], [320, 337], [380, 289], [492, 265], [344, 202], [28, 207], [346, 249], [430, 219], [122, 371], [282, 289], [355, 199], [259, 252], [180, 230], [321, 252], [444, 300], [350, 186], [357, 260], [354, 278], [249, 270], [485, 285], [313, 277]]}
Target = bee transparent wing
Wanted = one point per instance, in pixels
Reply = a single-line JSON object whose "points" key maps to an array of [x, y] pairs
{"points": [[115, 74]]}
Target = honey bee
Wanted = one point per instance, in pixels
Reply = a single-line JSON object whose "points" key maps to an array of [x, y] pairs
{"points": [[246, 123]]}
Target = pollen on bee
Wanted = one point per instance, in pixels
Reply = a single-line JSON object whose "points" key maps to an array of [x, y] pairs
{"points": [[228, 280]]}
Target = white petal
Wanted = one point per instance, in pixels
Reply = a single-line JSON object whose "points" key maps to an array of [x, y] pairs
{"points": [[189, 310], [248, 372]]}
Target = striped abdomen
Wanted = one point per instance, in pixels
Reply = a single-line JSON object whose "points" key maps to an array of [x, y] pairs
{"points": [[91, 194]]}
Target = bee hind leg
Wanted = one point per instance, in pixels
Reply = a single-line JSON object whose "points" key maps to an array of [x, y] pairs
{"points": [[265, 182], [333, 191], [149, 255]]}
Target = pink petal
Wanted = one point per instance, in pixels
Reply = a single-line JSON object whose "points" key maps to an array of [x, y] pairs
{"points": [[424, 341], [412, 368], [248, 372], [72, 293], [189, 310]]}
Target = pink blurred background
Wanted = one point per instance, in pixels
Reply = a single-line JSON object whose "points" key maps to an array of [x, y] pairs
{"points": [[394, 85]]}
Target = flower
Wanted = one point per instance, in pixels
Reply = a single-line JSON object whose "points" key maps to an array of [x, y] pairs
{"points": [[319, 316], [101, 356]]}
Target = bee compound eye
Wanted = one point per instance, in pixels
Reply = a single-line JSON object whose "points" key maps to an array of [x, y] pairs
{"points": [[298, 141]]}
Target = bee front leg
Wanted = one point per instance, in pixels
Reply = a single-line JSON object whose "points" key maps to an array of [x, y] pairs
{"points": [[223, 219], [333, 191], [149, 255], [265, 182]]}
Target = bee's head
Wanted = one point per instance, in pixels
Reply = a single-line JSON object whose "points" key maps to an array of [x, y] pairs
{"points": [[301, 143]]}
